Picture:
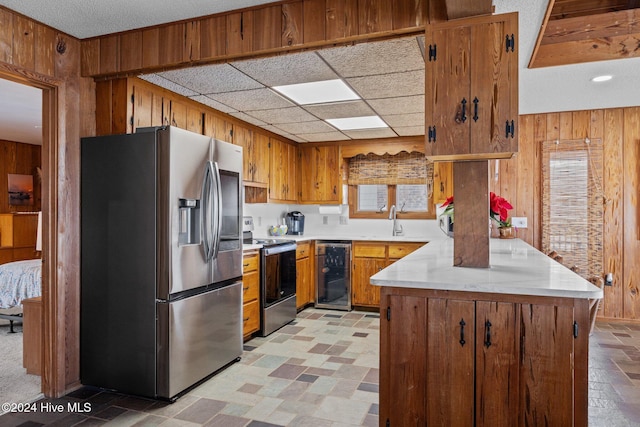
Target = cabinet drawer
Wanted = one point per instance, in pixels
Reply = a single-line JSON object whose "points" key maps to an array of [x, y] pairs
{"points": [[369, 250], [400, 250], [250, 263], [250, 317], [302, 250], [250, 286]]}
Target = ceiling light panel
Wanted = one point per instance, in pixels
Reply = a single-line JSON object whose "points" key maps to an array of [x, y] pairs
{"points": [[351, 123], [318, 92], [336, 110], [600, 79], [287, 69]]}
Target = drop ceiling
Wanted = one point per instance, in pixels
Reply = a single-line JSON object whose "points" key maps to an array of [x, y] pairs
{"points": [[391, 85]]}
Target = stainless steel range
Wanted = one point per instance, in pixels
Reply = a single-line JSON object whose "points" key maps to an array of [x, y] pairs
{"points": [[277, 283]]}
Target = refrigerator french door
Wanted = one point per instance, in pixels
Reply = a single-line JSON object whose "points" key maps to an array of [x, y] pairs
{"points": [[161, 260]]}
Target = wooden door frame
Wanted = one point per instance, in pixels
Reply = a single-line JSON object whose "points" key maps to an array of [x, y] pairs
{"points": [[53, 296]]}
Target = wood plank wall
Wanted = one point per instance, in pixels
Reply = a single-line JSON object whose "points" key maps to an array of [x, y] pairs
{"points": [[271, 29], [519, 180], [34, 54], [22, 159]]}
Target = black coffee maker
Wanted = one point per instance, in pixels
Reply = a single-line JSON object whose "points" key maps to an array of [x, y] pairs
{"points": [[295, 223]]}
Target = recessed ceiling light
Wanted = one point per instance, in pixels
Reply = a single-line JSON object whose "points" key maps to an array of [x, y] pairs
{"points": [[354, 123], [599, 79], [318, 92]]}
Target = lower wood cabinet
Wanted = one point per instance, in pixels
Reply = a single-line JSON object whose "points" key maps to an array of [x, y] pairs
{"points": [[468, 359], [369, 257], [305, 289], [251, 292]]}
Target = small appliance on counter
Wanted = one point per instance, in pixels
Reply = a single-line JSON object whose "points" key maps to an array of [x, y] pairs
{"points": [[295, 223], [247, 230]]}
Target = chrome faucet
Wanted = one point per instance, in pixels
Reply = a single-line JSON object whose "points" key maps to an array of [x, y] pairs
{"points": [[397, 228]]}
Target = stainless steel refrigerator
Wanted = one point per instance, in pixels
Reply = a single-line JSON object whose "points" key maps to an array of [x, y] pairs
{"points": [[161, 260]]}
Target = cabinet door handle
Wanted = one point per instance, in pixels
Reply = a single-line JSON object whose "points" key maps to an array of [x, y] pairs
{"points": [[462, 341], [475, 108], [461, 115], [487, 334]]}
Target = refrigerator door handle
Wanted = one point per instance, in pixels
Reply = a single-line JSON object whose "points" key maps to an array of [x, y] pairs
{"points": [[217, 209], [207, 188]]}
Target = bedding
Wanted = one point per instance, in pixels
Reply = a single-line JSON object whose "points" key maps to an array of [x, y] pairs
{"points": [[19, 280]]}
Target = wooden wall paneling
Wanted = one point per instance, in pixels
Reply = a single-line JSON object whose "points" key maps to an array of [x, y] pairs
{"points": [[314, 20], [342, 19], [23, 42], [110, 54], [121, 107], [613, 224], [267, 28], [103, 107], [6, 36], [292, 24], [552, 129], [151, 47], [178, 114], [596, 125], [540, 125], [581, 124], [195, 123], [524, 204], [213, 39], [239, 32], [191, 48], [215, 126], [131, 46], [7, 166], [142, 107], [409, 13], [171, 50], [374, 16], [631, 213], [566, 125], [45, 48], [90, 56]]}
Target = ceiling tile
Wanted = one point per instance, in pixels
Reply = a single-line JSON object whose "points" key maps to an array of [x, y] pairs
{"points": [[306, 127], [370, 133], [287, 69], [324, 136], [389, 85], [414, 119], [247, 118], [367, 59], [339, 110], [204, 99], [409, 130], [208, 79], [255, 99], [280, 132], [168, 84], [283, 115], [398, 105]]}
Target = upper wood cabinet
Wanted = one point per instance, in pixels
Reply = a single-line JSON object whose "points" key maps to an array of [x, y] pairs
{"points": [[255, 147], [217, 127], [472, 88], [282, 176], [320, 174]]}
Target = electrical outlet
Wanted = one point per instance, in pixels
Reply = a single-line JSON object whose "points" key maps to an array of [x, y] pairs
{"points": [[344, 220], [519, 221], [325, 220]]}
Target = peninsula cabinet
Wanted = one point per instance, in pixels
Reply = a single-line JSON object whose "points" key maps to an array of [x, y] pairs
{"points": [[451, 358], [319, 168], [471, 106]]}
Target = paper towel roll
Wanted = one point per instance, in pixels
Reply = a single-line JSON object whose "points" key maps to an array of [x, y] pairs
{"points": [[330, 209]]}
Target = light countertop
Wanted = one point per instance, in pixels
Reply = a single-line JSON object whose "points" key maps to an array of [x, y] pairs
{"points": [[516, 268]]}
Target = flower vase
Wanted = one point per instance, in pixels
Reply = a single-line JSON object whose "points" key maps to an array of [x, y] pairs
{"points": [[506, 232]]}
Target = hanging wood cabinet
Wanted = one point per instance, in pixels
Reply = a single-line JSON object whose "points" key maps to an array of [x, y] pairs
{"points": [[320, 174], [282, 167], [466, 359], [471, 107]]}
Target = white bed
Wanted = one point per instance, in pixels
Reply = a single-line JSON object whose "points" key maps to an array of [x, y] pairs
{"points": [[19, 280]]}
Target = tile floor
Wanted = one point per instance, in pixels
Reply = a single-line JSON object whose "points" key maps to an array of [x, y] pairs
{"points": [[322, 370]]}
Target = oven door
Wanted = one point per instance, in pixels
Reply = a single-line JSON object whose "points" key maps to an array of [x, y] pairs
{"points": [[278, 273]]}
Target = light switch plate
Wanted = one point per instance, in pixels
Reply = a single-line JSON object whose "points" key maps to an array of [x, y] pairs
{"points": [[519, 221]]}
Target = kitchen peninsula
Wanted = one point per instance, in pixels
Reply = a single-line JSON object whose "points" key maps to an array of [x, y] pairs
{"points": [[501, 346]]}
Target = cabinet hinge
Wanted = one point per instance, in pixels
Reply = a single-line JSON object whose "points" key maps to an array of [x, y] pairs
{"points": [[432, 52], [431, 134], [510, 42], [575, 329], [509, 129], [131, 120], [388, 317], [133, 99]]}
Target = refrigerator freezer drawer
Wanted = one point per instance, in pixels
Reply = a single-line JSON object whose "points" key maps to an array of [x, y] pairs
{"points": [[196, 337]]}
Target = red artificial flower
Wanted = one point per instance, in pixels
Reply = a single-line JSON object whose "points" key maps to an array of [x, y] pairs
{"points": [[499, 206], [447, 202]]}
